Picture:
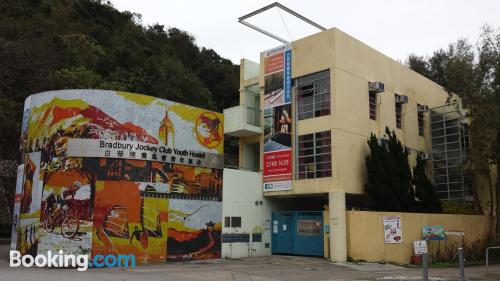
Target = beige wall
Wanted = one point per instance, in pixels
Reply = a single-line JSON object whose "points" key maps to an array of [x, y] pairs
{"points": [[365, 233], [352, 65]]}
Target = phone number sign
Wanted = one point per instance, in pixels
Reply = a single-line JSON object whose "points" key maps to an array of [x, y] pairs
{"points": [[278, 167]]}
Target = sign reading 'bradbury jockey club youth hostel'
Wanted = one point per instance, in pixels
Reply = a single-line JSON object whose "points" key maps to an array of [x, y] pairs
{"points": [[278, 119]]}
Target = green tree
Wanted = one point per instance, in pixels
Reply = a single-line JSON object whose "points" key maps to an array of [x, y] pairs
{"points": [[60, 44], [389, 175], [472, 71], [426, 199]]}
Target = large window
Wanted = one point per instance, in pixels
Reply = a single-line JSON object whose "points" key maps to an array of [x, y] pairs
{"points": [[372, 99], [313, 95], [420, 117], [315, 155]]}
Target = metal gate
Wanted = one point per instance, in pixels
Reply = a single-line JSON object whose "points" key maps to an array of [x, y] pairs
{"points": [[297, 233]]}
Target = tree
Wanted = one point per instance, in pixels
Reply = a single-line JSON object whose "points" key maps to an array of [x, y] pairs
{"points": [[426, 199], [60, 44], [473, 73], [389, 175]]}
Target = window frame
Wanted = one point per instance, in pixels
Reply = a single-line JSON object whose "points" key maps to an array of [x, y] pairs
{"points": [[320, 143], [372, 105], [315, 96], [399, 113], [420, 122]]}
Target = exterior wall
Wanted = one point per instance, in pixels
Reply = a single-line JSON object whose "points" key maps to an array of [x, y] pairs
{"points": [[106, 172], [352, 65], [241, 190], [249, 77], [360, 246]]}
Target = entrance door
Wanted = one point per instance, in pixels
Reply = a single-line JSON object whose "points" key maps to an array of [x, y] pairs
{"points": [[309, 234], [282, 233], [297, 233]]}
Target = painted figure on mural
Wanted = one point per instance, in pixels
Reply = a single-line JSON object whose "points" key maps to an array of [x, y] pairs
{"points": [[29, 172]]}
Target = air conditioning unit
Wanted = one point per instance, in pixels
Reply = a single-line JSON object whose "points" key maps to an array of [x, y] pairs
{"points": [[424, 156], [401, 99], [423, 108], [375, 87]]}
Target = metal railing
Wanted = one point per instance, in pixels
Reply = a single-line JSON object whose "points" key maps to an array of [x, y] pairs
{"points": [[487, 256]]}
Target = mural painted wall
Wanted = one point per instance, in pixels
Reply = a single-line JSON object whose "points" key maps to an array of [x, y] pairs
{"points": [[107, 172]]}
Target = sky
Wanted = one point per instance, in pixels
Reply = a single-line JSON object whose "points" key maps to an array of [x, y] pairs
{"points": [[393, 27]]}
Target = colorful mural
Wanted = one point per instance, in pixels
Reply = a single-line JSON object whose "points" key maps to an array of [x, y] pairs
{"points": [[118, 202]]}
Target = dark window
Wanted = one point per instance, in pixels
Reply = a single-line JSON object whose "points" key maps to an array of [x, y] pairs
{"points": [[399, 115], [227, 221], [420, 116], [235, 221], [372, 99], [315, 155], [313, 95]]}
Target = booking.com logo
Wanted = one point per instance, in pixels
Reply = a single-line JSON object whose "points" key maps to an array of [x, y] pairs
{"points": [[81, 262]]}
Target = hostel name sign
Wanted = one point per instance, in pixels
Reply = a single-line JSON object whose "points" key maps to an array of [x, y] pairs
{"points": [[142, 151]]}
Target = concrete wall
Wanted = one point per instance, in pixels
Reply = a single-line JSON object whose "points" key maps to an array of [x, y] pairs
{"points": [[241, 190], [352, 65], [365, 233]]}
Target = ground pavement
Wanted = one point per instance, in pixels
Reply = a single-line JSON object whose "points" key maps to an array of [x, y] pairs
{"points": [[270, 268]]}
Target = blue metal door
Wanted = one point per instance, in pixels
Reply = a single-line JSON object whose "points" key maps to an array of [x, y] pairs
{"points": [[297, 233], [282, 233]]}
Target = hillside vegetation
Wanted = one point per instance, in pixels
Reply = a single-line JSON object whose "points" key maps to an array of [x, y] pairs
{"points": [[60, 44]]}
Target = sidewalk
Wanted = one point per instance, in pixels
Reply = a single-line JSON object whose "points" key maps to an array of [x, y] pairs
{"points": [[269, 268]]}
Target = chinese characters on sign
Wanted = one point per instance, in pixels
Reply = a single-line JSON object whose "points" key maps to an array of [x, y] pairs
{"points": [[277, 119], [393, 232], [142, 151], [420, 247]]}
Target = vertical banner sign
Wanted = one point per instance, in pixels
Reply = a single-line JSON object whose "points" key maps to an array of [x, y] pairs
{"points": [[393, 232], [278, 119]]}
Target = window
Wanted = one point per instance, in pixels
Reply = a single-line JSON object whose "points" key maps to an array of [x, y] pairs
{"points": [[227, 221], [315, 155], [235, 221], [372, 100], [313, 95], [420, 116], [399, 114]]}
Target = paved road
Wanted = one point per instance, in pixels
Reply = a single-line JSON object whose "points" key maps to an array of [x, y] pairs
{"points": [[271, 268]]}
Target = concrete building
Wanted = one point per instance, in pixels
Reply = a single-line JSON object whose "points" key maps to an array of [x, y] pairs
{"points": [[341, 91]]}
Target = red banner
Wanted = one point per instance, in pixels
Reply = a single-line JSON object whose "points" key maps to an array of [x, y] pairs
{"points": [[278, 165]]}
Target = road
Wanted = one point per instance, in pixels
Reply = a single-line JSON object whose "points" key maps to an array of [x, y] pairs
{"points": [[270, 268]]}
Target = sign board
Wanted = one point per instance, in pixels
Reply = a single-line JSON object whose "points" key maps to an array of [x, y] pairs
{"points": [[277, 174], [393, 232], [433, 232], [420, 247], [143, 151]]}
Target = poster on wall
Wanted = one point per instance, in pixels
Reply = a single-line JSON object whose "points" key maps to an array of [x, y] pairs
{"points": [[277, 119], [116, 173], [433, 232], [393, 232]]}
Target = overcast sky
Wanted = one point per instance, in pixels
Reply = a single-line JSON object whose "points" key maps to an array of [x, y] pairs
{"points": [[394, 27]]}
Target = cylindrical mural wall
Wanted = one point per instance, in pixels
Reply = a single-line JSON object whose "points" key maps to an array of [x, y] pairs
{"points": [[106, 172]]}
